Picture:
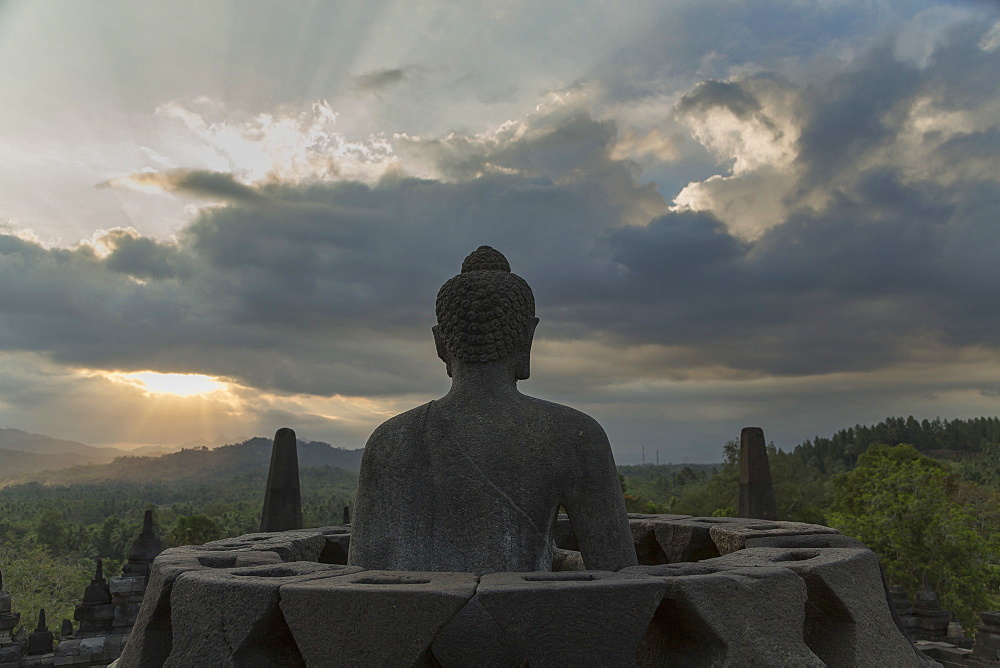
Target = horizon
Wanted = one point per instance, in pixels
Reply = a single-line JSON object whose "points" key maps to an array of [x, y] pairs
{"points": [[218, 219]]}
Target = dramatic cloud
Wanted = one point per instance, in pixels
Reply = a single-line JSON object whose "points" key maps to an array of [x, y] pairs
{"points": [[379, 79], [716, 236]]}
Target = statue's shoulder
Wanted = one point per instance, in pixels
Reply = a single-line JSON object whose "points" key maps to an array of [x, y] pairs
{"points": [[399, 428], [566, 418]]}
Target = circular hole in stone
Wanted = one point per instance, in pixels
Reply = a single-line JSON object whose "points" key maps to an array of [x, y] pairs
{"points": [[709, 520], [270, 572], [217, 561], [560, 577], [392, 580], [254, 539], [764, 527], [797, 555]]}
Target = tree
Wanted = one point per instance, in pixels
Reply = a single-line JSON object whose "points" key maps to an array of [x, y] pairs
{"points": [[51, 531], [898, 502], [37, 580], [194, 530]]}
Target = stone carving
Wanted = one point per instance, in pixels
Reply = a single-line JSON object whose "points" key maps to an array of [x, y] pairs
{"points": [[756, 492], [485, 451], [96, 614], [40, 641], [784, 606], [282, 500]]}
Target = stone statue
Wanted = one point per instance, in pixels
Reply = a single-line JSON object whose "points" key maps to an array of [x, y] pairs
{"points": [[473, 481]]}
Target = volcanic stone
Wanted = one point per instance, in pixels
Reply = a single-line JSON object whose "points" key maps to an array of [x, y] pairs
{"points": [[373, 617], [282, 499], [574, 618], [488, 452], [717, 618], [848, 622], [152, 636], [243, 625], [756, 498]]}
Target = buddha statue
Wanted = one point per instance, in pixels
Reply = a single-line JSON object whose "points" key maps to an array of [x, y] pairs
{"points": [[473, 481]]}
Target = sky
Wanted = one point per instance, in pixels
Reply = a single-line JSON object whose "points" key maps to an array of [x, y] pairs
{"points": [[223, 218]]}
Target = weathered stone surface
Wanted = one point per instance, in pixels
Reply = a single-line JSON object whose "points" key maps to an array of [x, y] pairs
{"points": [[689, 539], [577, 618], [731, 537], [567, 560], [144, 549], [231, 616], [282, 509], [804, 540], [152, 636], [372, 617], [730, 617], [487, 451], [40, 641], [756, 495], [473, 638], [338, 544], [848, 622], [562, 534], [300, 545]]}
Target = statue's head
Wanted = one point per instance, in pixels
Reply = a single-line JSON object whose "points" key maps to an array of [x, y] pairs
{"points": [[485, 314]]}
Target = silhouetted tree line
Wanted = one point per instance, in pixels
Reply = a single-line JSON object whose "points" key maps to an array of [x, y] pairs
{"points": [[841, 451]]}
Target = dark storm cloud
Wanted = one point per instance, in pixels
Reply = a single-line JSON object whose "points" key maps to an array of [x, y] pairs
{"points": [[709, 94], [378, 80], [329, 288]]}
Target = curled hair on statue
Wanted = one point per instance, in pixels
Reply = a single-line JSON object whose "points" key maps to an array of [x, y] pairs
{"points": [[484, 314]]}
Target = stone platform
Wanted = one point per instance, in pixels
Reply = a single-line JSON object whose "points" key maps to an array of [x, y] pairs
{"points": [[709, 591]]}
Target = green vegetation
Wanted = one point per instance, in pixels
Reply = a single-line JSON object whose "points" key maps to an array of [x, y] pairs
{"points": [[924, 495], [51, 536], [903, 505]]}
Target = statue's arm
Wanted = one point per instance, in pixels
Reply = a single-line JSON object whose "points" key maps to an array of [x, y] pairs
{"points": [[594, 501], [364, 520]]}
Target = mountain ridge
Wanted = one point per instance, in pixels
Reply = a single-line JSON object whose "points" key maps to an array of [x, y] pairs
{"points": [[200, 463]]}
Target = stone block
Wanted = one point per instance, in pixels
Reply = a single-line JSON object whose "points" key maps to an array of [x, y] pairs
{"points": [[94, 613], [473, 638], [124, 585], [300, 545], [336, 549], [152, 636], [68, 648], [562, 534], [689, 539], [373, 617], [92, 645], [647, 549], [567, 560], [730, 537], [805, 540], [576, 618], [231, 616], [848, 622], [716, 616]]}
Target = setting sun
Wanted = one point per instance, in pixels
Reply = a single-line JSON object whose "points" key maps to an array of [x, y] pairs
{"points": [[177, 384]]}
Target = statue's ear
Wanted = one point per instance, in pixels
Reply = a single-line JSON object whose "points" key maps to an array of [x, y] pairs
{"points": [[523, 371], [442, 350]]}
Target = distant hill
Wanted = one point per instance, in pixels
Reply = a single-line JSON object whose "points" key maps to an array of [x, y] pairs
{"points": [[15, 439], [22, 452], [196, 464]]}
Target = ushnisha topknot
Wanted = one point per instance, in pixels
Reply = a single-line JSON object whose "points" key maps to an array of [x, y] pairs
{"points": [[485, 258], [483, 313]]}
